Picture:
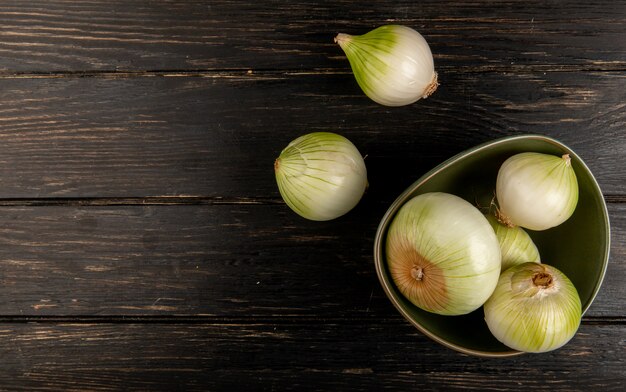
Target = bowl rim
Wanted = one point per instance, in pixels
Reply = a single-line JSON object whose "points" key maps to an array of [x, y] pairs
{"points": [[404, 196]]}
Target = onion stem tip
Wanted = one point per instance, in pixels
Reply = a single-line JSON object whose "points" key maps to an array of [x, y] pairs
{"points": [[542, 279], [341, 38], [567, 159], [503, 219], [432, 87], [417, 273]]}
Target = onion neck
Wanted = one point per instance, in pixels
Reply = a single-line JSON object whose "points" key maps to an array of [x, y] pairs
{"points": [[342, 38], [567, 159]]}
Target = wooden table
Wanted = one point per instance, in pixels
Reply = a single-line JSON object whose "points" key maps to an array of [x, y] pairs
{"points": [[145, 246]]}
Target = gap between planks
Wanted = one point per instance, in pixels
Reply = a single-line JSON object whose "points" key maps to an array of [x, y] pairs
{"points": [[168, 201], [277, 73]]}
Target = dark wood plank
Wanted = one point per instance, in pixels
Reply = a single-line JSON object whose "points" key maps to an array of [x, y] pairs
{"points": [[310, 355], [59, 35], [216, 260], [218, 136]]}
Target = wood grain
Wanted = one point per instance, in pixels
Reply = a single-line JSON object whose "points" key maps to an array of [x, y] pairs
{"points": [[62, 36], [222, 260], [143, 242], [309, 355], [217, 136]]}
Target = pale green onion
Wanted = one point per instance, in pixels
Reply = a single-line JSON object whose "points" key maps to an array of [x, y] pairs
{"points": [[534, 308], [536, 191], [442, 254], [516, 245], [321, 176], [392, 64]]}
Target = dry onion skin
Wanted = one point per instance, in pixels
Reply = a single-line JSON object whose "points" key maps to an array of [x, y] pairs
{"points": [[321, 175], [392, 64], [536, 191], [534, 308], [442, 254]]}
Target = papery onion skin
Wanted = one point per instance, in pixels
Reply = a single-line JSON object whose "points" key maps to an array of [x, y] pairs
{"points": [[442, 254], [392, 64], [531, 317], [321, 175], [516, 245], [537, 191]]}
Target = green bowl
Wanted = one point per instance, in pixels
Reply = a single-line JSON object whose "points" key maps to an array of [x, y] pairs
{"points": [[579, 247]]}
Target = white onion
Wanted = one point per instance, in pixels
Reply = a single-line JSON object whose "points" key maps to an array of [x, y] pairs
{"points": [[516, 245], [536, 191], [392, 64], [442, 254], [321, 175], [534, 308]]}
